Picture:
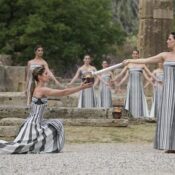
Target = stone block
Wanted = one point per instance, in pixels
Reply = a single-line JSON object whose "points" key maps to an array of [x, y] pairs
{"points": [[8, 131], [15, 78], [23, 112], [11, 121], [97, 122]]}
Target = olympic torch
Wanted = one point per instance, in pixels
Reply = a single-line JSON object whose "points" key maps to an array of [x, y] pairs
{"points": [[90, 76]]}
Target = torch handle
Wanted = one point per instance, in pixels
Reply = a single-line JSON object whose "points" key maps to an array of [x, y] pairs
{"points": [[108, 69]]}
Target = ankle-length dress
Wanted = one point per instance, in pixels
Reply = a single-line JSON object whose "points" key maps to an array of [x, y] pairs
{"points": [[105, 97], [157, 98], [165, 130], [135, 99], [87, 97], [36, 135]]}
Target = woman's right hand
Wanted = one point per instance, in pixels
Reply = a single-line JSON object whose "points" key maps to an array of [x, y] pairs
{"points": [[85, 85]]}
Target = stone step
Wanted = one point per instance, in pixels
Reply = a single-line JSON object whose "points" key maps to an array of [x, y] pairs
{"points": [[97, 122], [9, 127], [13, 98], [8, 131], [72, 122], [23, 112]]}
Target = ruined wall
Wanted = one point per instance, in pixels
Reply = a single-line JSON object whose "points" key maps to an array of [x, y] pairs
{"points": [[12, 78], [156, 19]]}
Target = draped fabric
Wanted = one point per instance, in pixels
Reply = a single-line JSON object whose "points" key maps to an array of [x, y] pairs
{"points": [[157, 99], [165, 130], [87, 97], [36, 135], [105, 97], [135, 99]]}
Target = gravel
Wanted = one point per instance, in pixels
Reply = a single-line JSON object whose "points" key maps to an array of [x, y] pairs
{"points": [[95, 159]]}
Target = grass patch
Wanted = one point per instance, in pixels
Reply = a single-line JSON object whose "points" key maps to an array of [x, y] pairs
{"points": [[141, 133]]}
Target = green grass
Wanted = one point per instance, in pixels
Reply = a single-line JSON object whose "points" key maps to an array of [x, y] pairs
{"points": [[140, 133]]}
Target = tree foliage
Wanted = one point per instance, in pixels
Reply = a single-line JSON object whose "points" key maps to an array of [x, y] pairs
{"points": [[67, 29]]}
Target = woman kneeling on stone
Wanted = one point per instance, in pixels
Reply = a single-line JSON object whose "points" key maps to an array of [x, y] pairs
{"points": [[37, 135]]}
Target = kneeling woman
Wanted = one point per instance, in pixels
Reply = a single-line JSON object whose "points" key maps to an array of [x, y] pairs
{"points": [[37, 135]]}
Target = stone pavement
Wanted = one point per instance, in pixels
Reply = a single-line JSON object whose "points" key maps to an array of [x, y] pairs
{"points": [[95, 159]]}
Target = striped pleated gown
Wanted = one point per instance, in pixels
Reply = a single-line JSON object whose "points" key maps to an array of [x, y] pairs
{"points": [[165, 130], [157, 99], [36, 135], [87, 97], [105, 97], [135, 99]]}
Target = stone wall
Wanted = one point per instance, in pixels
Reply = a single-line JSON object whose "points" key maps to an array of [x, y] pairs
{"points": [[12, 78], [6, 59]]}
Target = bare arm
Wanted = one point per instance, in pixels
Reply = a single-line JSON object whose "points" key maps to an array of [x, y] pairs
{"points": [[44, 91], [75, 77], [27, 74], [154, 59], [154, 78], [147, 78], [149, 73], [124, 79], [121, 73], [97, 81], [52, 75]]}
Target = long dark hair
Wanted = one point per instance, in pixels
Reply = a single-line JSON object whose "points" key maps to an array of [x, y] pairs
{"points": [[35, 73]]}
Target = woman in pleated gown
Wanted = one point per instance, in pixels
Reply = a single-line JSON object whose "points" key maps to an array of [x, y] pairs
{"points": [[87, 98], [135, 101], [105, 87], [37, 135], [165, 130], [37, 62]]}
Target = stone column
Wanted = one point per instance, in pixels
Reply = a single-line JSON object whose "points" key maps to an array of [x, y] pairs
{"points": [[155, 23]]}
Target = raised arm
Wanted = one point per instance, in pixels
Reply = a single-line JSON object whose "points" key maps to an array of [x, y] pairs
{"points": [[55, 92], [154, 59]]}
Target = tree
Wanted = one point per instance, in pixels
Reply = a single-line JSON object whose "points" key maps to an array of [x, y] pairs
{"points": [[67, 29]]}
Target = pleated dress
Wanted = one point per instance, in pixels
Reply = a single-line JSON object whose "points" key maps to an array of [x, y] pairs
{"points": [[135, 101], [36, 135], [165, 130], [87, 97], [105, 97], [157, 98]]}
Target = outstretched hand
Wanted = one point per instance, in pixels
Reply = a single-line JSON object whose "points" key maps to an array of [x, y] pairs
{"points": [[85, 85], [126, 62]]}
